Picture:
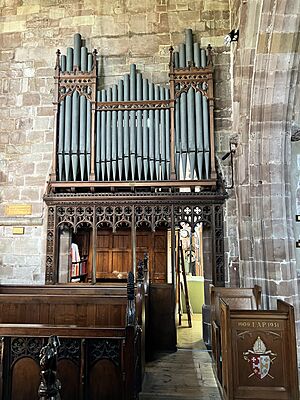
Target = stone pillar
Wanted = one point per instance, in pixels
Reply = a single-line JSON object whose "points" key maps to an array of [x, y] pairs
{"points": [[265, 73]]}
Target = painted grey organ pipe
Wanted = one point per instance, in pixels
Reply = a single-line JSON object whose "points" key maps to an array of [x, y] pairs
{"points": [[168, 141], [126, 128], [114, 119], [108, 136], [205, 122], [132, 122], [103, 136], [83, 115], [151, 133], [139, 132], [61, 129], [120, 129], [157, 141], [145, 130], [190, 106], [177, 124], [68, 118], [183, 114], [199, 119], [88, 129], [98, 139], [162, 138]]}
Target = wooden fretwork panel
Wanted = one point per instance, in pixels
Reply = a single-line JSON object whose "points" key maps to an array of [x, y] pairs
{"points": [[114, 253]]}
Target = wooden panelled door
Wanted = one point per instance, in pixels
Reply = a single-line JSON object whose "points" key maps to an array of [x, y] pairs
{"points": [[114, 253]]}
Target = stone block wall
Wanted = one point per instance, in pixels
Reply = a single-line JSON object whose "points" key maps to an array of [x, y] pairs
{"points": [[123, 32]]}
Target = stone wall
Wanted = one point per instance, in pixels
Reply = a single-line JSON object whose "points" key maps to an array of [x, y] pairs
{"points": [[123, 32]]}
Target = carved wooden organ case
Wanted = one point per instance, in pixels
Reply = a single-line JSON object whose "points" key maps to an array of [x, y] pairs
{"points": [[132, 163]]}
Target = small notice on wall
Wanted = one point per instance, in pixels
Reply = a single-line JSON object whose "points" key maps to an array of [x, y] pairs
{"points": [[18, 209]]}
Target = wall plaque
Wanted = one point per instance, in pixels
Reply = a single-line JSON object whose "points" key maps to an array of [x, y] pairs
{"points": [[18, 230], [18, 209]]}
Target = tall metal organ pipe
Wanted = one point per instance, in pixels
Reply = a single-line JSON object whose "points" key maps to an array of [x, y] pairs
{"points": [[139, 133], [157, 141], [108, 136], [114, 137], [98, 139], [61, 129], [103, 136], [199, 119], [151, 134], [68, 118], [132, 140], [88, 128], [177, 124], [163, 135], [205, 122], [191, 132], [83, 116], [167, 139], [126, 128], [183, 114], [120, 129], [145, 130]]}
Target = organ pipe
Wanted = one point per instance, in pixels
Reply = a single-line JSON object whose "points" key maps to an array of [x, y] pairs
{"points": [[103, 136], [68, 118], [120, 129], [126, 128], [132, 140], [145, 130], [157, 141], [151, 134], [108, 136], [199, 119], [205, 122], [183, 115], [98, 139], [114, 135], [162, 136], [88, 129], [61, 126], [139, 132], [167, 139]]}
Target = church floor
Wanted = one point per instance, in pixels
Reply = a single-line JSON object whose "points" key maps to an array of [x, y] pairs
{"points": [[183, 375]]}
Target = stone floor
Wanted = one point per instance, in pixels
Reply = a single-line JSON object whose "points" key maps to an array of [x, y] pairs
{"points": [[184, 375]]}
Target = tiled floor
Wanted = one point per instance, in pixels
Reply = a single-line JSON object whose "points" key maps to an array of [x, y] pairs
{"points": [[184, 375]]}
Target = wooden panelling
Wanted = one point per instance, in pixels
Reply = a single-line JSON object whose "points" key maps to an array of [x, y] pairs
{"points": [[77, 310], [25, 379], [69, 375], [101, 376], [162, 329], [114, 253]]}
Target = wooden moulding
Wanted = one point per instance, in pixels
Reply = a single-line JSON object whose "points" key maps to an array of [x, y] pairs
{"points": [[259, 353]]}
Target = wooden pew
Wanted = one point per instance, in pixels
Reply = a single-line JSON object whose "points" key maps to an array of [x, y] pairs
{"points": [[259, 353], [101, 350], [238, 298]]}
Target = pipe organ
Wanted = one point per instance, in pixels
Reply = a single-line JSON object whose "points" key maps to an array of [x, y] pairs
{"points": [[134, 131]]}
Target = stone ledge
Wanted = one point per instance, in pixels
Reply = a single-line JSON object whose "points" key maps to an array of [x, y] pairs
{"points": [[21, 221]]}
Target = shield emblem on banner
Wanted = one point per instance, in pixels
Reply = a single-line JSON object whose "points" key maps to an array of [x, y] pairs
{"points": [[259, 359], [260, 365]]}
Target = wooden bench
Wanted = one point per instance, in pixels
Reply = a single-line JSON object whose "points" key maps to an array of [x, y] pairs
{"points": [[101, 353], [259, 357], [239, 299]]}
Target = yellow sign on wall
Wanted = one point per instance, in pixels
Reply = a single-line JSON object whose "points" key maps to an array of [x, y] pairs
{"points": [[18, 230], [18, 209]]}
